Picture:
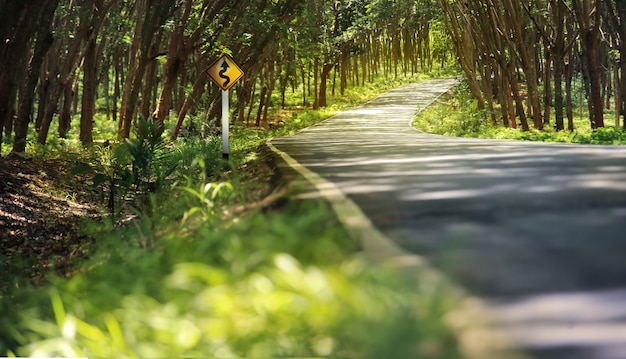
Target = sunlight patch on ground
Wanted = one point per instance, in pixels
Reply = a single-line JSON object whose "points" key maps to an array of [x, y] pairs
{"points": [[581, 319]]}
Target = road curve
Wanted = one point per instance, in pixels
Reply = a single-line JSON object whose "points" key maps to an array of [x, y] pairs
{"points": [[538, 231]]}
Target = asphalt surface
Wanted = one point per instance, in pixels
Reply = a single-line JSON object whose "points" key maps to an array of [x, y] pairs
{"points": [[538, 231]]}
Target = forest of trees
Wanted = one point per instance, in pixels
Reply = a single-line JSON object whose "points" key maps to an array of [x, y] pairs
{"points": [[522, 57], [72, 59], [129, 59]]}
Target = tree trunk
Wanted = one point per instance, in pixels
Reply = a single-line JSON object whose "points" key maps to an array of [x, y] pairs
{"points": [[198, 86], [547, 90], [90, 89], [65, 116], [55, 95], [458, 28], [44, 41], [150, 17], [316, 101], [118, 79], [323, 84], [19, 22], [176, 57], [343, 77], [621, 9], [150, 79], [569, 102], [262, 104], [589, 20], [596, 106]]}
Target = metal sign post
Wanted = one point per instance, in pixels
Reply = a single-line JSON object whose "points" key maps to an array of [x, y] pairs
{"points": [[225, 124], [225, 73]]}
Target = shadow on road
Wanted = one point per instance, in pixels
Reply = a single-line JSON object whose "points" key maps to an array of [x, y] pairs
{"points": [[537, 230]]}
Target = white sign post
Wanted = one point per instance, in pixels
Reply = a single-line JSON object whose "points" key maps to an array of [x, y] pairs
{"points": [[225, 124], [225, 73]]}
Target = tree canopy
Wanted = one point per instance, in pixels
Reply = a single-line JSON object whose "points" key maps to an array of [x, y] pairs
{"points": [[131, 59]]}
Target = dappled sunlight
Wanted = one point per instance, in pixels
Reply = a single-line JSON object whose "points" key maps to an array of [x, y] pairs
{"points": [[543, 223], [591, 322]]}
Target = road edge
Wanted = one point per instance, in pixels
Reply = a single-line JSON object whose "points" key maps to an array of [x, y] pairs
{"points": [[470, 321]]}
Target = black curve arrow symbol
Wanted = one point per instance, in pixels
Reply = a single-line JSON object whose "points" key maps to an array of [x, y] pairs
{"points": [[222, 72]]}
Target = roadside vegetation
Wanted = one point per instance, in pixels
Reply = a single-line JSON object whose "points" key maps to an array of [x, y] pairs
{"points": [[532, 64], [457, 114], [189, 255], [124, 234]]}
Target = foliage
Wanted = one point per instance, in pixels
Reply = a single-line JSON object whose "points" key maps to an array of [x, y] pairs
{"points": [[196, 272], [457, 115], [137, 167], [237, 292], [510, 49]]}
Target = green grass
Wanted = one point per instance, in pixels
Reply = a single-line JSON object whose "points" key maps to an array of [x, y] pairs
{"points": [[196, 269], [272, 286], [457, 114]]}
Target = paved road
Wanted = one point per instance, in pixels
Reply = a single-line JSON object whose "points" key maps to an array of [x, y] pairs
{"points": [[536, 230]]}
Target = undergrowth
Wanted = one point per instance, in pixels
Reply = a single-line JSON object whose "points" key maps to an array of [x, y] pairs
{"points": [[187, 265], [457, 114]]}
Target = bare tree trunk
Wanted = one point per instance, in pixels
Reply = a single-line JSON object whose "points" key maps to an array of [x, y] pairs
{"points": [[151, 15], [547, 89], [118, 79], [589, 20], [569, 102], [323, 84], [176, 57], [621, 89], [316, 102], [19, 22], [65, 116], [43, 43], [459, 29], [90, 88], [343, 75], [524, 40], [150, 78]]}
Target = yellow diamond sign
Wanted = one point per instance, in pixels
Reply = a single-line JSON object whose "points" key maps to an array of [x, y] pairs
{"points": [[224, 72]]}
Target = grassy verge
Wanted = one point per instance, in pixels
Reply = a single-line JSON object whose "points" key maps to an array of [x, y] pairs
{"points": [[193, 262], [283, 285], [456, 114]]}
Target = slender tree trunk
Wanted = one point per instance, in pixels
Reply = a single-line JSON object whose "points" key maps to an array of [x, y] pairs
{"points": [[343, 76], [589, 21], [270, 90], [458, 28], [19, 22], [65, 116], [43, 94], [569, 102], [90, 89], [323, 84], [596, 107], [547, 89], [262, 104], [558, 94], [55, 95], [316, 102], [150, 17], [176, 57], [618, 94], [44, 41], [196, 92], [117, 80]]}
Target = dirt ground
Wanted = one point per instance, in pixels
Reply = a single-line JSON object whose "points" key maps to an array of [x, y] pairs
{"points": [[41, 208]]}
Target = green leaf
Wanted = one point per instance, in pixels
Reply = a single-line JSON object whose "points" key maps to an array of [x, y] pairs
{"points": [[99, 179]]}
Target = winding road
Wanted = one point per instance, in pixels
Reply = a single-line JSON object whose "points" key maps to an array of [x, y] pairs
{"points": [[538, 231]]}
